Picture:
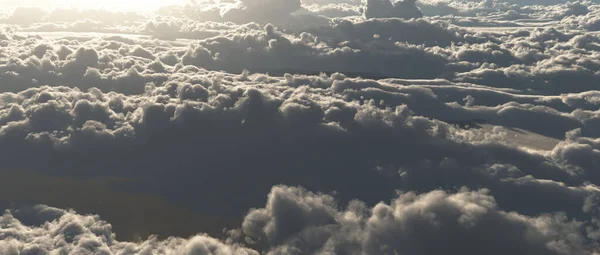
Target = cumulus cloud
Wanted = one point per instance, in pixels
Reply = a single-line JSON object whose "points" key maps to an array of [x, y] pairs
{"points": [[376, 134], [406, 9], [68, 232], [255, 10], [295, 221], [381, 146]]}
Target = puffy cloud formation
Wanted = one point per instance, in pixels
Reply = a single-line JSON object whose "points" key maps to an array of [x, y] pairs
{"points": [[375, 48], [70, 233], [470, 129], [260, 10], [406, 9], [295, 221]]}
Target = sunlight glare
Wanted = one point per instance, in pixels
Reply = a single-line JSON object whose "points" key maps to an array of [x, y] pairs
{"points": [[129, 5]]}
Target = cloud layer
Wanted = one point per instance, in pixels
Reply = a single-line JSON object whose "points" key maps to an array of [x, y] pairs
{"points": [[295, 221], [315, 127]]}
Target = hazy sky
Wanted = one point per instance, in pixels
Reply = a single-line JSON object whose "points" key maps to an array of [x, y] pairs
{"points": [[107, 4]]}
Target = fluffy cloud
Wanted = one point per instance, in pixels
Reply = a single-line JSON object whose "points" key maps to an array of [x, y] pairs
{"points": [[477, 140], [166, 87], [295, 120], [67, 232], [295, 221], [385, 9], [258, 11]]}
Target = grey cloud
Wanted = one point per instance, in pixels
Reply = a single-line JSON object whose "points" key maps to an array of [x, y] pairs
{"points": [[371, 49], [204, 112], [296, 221], [366, 142], [437, 8], [68, 232], [409, 225], [261, 11], [406, 9], [350, 112], [578, 154], [271, 51]]}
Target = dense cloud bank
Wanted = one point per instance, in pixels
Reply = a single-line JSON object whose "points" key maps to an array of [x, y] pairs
{"points": [[316, 127], [203, 135], [542, 61], [295, 221]]}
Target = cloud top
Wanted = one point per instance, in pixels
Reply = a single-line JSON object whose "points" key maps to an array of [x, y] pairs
{"points": [[406, 9], [312, 127]]}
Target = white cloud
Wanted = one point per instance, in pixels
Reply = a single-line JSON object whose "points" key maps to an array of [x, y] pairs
{"points": [[295, 221]]}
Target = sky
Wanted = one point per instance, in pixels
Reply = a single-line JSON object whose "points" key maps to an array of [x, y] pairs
{"points": [[132, 5], [300, 127]]}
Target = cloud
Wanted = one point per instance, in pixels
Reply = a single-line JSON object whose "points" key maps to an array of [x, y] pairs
{"points": [[269, 51], [148, 87], [260, 11], [377, 48], [35, 15], [334, 10], [404, 131], [295, 221], [26, 15], [406, 9], [66, 231], [368, 143]]}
